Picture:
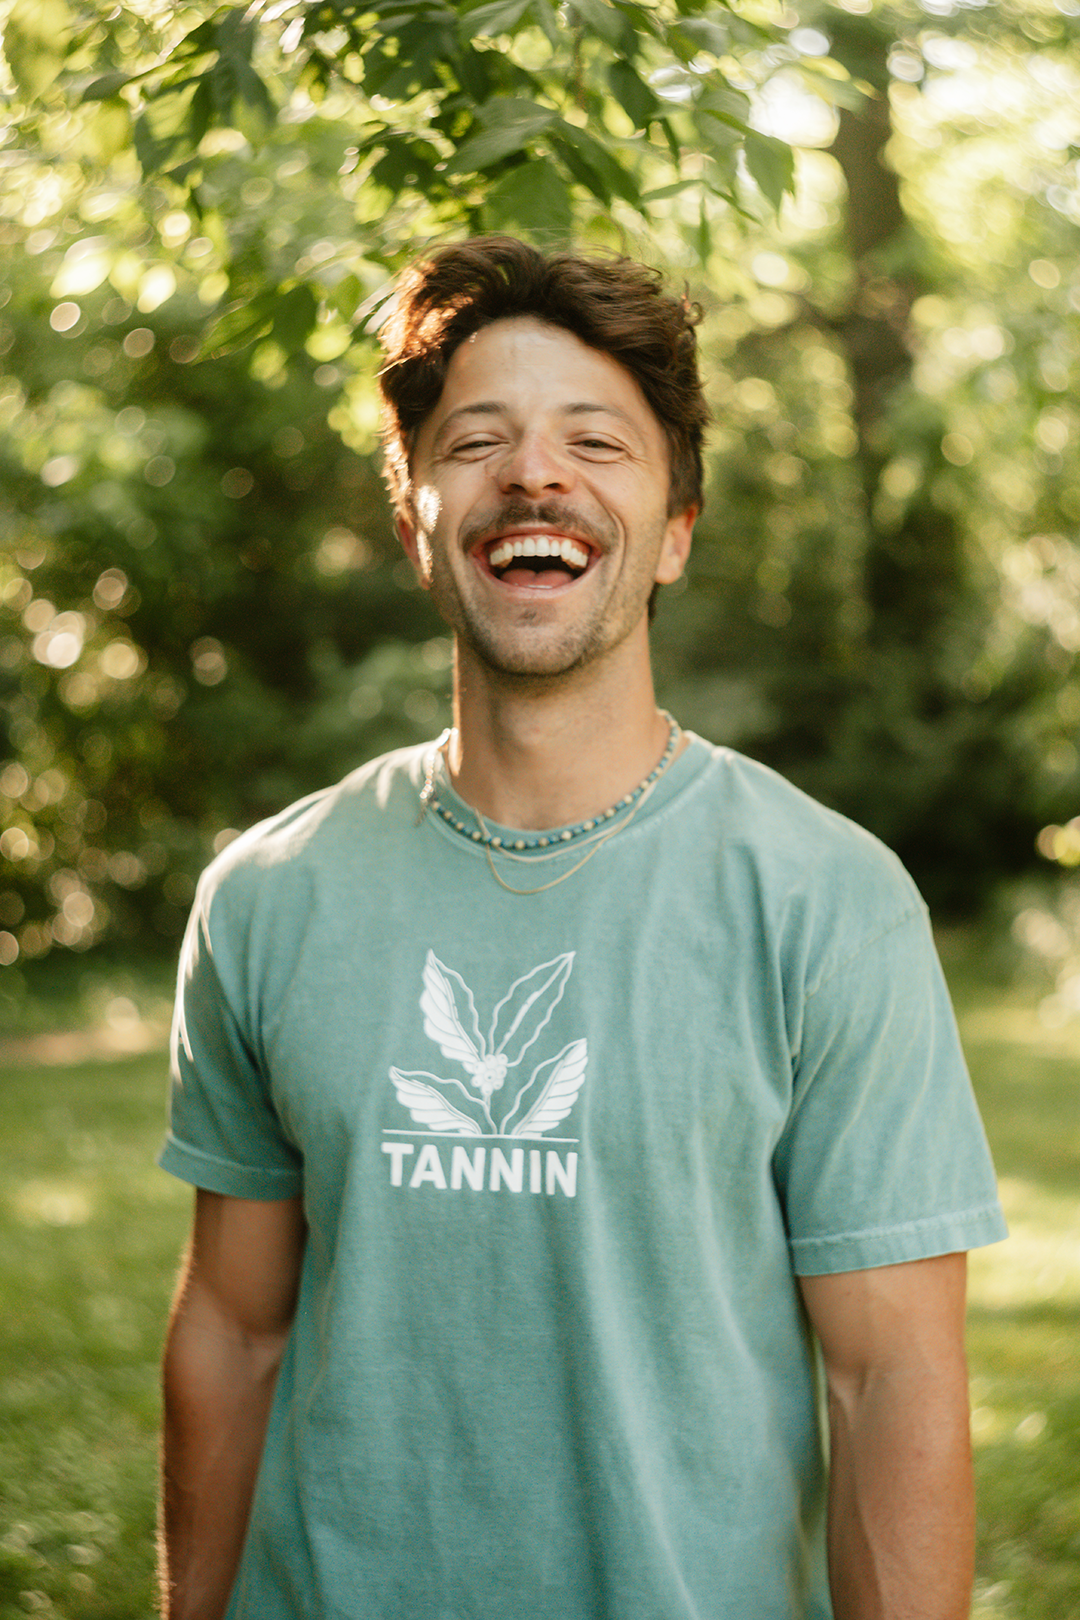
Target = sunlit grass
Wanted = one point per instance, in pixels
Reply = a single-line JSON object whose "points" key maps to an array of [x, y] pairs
{"points": [[1024, 1321], [89, 1236]]}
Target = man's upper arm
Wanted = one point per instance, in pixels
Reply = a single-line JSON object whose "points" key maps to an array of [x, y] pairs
{"points": [[890, 1318], [243, 1267]]}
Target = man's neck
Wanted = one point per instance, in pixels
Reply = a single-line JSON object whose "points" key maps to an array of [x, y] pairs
{"points": [[541, 756]]}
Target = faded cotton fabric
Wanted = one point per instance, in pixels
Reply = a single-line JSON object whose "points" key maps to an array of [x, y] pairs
{"points": [[560, 1157]]}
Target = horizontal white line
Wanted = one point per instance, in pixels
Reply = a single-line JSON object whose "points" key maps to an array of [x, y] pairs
{"points": [[461, 1136]]}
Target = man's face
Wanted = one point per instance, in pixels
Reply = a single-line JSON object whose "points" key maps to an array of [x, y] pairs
{"points": [[539, 514]]}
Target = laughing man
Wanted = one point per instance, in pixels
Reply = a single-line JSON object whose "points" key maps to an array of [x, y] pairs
{"points": [[561, 1096]]}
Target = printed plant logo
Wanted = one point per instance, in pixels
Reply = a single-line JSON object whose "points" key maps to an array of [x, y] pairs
{"points": [[494, 1070]]}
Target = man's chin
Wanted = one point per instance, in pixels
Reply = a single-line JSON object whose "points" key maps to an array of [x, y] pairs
{"points": [[528, 658]]}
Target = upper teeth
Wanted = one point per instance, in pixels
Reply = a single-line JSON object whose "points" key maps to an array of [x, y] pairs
{"points": [[538, 545]]}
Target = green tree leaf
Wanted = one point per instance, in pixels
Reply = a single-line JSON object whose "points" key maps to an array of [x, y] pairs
{"points": [[578, 165], [474, 72], [717, 134], [632, 93], [532, 198], [730, 106], [771, 165], [34, 43], [548, 18], [603, 19], [511, 125], [241, 324], [347, 296], [108, 132], [486, 21], [601, 160], [701, 34], [423, 49], [107, 86], [294, 317]]}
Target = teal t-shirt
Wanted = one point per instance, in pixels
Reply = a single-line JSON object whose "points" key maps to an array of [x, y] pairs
{"points": [[562, 1157]]}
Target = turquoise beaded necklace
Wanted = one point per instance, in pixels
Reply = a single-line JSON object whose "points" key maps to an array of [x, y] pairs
{"points": [[594, 831]]}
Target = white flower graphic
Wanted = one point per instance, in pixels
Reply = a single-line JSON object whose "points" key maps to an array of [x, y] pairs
{"points": [[452, 1022]]}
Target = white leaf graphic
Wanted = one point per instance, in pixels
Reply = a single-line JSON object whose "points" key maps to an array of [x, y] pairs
{"points": [[528, 1005], [430, 1108], [442, 1014], [559, 1094]]}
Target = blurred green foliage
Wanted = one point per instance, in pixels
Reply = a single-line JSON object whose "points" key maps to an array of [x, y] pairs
{"points": [[895, 583], [203, 611], [198, 604]]}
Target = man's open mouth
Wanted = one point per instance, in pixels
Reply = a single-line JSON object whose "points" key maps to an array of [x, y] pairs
{"points": [[522, 559]]}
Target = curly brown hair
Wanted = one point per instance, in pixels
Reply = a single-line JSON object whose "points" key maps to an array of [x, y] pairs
{"points": [[614, 305]]}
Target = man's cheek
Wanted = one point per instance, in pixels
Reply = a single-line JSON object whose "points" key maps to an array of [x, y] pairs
{"points": [[428, 507]]}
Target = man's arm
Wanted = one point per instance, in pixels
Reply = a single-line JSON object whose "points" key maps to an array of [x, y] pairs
{"points": [[901, 1509], [231, 1316]]}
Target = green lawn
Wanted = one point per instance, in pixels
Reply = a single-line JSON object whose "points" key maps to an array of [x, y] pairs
{"points": [[1024, 1320], [89, 1239], [89, 1235]]}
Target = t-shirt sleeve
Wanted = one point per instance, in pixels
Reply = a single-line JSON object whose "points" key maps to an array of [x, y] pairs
{"points": [[224, 1132], [884, 1158]]}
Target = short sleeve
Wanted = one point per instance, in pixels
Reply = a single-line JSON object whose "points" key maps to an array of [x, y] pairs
{"points": [[884, 1158], [224, 1132]]}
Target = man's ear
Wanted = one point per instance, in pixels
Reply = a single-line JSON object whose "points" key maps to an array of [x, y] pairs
{"points": [[406, 532], [675, 548]]}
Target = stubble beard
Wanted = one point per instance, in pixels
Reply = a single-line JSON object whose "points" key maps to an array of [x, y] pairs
{"points": [[524, 651], [541, 663], [518, 653]]}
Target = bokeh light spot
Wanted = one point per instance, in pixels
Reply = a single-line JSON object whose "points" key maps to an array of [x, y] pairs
{"points": [[64, 317], [139, 342], [59, 470]]}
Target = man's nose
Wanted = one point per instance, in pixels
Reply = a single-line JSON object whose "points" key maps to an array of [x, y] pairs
{"points": [[534, 466]]}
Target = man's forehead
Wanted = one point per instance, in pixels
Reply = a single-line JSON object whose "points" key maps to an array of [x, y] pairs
{"points": [[527, 340], [522, 362]]}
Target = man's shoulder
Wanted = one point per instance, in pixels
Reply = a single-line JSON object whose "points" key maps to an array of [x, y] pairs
{"points": [[801, 845], [323, 827], [760, 804]]}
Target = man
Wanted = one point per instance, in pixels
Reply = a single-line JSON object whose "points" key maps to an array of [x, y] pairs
{"points": [[554, 1090]]}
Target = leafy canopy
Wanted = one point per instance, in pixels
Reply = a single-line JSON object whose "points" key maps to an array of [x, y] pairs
{"points": [[425, 118]]}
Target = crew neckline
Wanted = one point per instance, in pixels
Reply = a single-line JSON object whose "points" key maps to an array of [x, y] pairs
{"points": [[682, 771]]}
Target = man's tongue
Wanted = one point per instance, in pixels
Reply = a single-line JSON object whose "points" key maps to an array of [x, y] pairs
{"points": [[525, 577]]}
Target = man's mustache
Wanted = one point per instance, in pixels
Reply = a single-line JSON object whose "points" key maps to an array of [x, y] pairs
{"points": [[518, 514]]}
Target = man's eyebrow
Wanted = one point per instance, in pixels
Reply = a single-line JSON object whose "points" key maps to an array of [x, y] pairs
{"points": [[498, 407], [588, 407]]}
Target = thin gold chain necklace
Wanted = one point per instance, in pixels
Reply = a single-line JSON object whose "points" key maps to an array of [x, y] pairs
{"points": [[594, 831]]}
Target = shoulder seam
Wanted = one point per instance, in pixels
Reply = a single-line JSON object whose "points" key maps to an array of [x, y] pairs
{"points": [[912, 915]]}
